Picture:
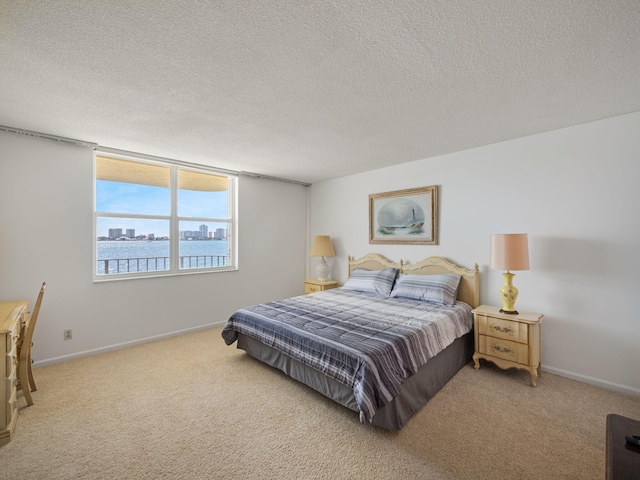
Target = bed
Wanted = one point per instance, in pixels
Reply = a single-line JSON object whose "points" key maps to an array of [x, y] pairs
{"points": [[390, 351]]}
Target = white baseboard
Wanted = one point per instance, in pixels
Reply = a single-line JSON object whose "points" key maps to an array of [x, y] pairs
{"points": [[118, 346], [614, 387]]}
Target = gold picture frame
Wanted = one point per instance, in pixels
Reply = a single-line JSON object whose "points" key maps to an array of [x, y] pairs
{"points": [[404, 217]]}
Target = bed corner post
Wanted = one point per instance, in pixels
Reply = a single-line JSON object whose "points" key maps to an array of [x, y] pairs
{"points": [[476, 274]]}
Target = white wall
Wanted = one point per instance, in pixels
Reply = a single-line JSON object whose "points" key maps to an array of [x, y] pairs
{"points": [[46, 202], [574, 191]]}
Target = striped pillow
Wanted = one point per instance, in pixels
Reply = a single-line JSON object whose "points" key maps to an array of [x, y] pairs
{"points": [[372, 281], [440, 289]]}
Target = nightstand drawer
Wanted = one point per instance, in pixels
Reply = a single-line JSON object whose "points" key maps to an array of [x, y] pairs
{"points": [[311, 288], [513, 351], [509, 330]]}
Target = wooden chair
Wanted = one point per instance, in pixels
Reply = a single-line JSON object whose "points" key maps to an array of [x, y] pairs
{"points": [[26, 381]]}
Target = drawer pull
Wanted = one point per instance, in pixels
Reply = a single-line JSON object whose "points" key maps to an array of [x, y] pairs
{"points": [[500, 329], [502, 349]]}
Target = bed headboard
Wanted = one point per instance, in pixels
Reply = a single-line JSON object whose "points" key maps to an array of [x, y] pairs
{"points": [[469, 291], [372, 261]]}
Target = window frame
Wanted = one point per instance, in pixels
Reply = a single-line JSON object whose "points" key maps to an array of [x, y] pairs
{"points": [[173, 218]]}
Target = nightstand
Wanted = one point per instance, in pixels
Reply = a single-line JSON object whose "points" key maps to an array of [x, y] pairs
{"points": [[312, 286], [509, 341]]}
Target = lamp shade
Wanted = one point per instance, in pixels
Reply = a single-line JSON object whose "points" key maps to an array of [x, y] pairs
{"points": [[322, 247], [510, 251]]}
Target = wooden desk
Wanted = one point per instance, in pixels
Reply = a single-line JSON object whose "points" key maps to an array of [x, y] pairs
{"points": [[12, 314], [623, 460]]}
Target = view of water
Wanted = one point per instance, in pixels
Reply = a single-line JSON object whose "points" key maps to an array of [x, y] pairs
{"points": [[196, 253]]}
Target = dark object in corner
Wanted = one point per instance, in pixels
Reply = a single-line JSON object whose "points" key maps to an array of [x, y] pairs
{"points": [[623, 460]]}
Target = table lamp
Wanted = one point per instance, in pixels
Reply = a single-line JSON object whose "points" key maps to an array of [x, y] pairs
{"points": [[322, 248], [509, 251]]}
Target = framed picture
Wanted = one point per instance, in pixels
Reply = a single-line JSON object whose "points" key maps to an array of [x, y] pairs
{"points": [[404, 216]]}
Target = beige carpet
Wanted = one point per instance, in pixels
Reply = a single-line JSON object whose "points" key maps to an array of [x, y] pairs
{"points": [[190, 407]]}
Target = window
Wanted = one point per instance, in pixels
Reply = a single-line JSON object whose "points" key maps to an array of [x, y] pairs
{"points": [[155, 218]]}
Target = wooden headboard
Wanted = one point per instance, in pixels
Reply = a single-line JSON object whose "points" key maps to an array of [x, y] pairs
{"points": [[469, 291]]}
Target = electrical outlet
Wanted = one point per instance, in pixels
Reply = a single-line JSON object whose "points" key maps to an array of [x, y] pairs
{"points": [[68, 334]]}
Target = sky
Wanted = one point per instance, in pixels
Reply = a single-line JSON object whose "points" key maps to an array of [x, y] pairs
{"points": [[118, 197]]}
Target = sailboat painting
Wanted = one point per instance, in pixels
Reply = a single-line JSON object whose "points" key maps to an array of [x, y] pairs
{"points": [[404, 216]]}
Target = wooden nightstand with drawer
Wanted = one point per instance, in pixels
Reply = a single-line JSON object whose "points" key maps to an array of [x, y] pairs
{"points": [[312, 286], [509, 341]]}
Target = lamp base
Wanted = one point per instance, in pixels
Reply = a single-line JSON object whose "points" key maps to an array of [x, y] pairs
{"points": [[508, 295], [323, 270]]}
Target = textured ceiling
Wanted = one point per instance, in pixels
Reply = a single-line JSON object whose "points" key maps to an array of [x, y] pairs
{"points": [[312, 90]]}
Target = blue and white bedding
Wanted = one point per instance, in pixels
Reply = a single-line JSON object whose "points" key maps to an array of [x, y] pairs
{"points": [[369, 342]]}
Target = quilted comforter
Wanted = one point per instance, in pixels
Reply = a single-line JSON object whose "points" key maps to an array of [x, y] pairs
{"points": [[369, 342]]}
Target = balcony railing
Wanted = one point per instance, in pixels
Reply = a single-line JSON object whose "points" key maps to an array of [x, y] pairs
{"points": [[193, 261], [111, 266]]}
